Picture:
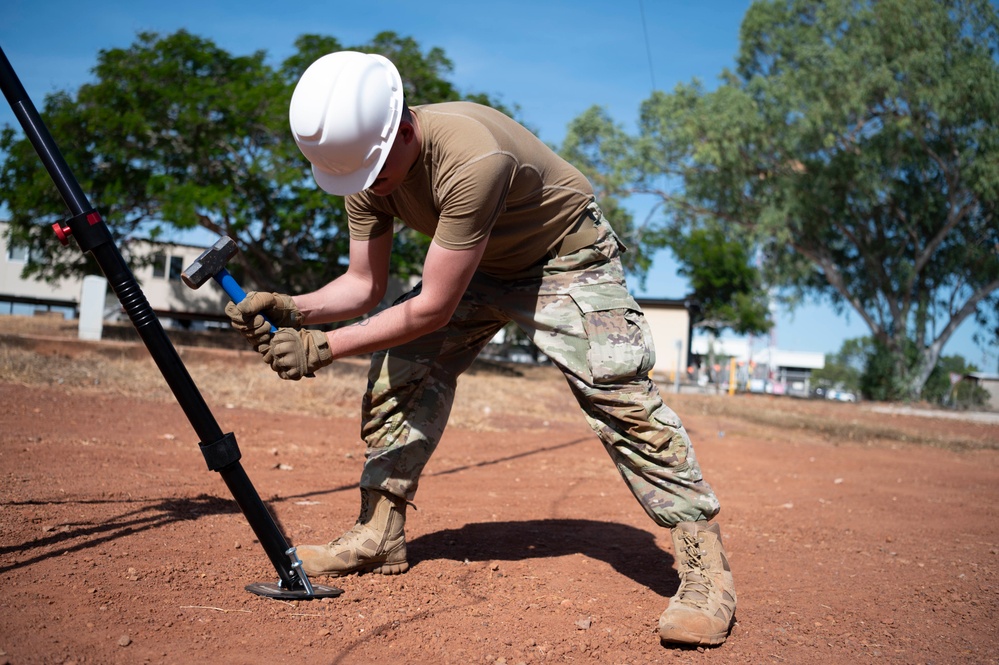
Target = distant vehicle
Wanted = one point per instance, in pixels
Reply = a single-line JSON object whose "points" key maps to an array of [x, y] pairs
{"points": [[835, 394], [521, 353], [841, 395]]}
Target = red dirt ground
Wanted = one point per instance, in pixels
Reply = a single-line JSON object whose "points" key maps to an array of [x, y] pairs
{"points": [[118, 546]]}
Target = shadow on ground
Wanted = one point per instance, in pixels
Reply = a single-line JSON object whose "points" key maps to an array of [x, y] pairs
{"points": [[72, 536], [630, 551]]}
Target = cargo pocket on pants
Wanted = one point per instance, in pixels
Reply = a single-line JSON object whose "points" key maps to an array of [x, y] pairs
{"points": [[618, 337]]}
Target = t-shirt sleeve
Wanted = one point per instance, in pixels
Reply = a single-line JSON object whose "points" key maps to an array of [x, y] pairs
{"points": [[364, 220]]}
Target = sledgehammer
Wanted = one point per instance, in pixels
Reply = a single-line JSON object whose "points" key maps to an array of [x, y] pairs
{"points": [[211, 264]]}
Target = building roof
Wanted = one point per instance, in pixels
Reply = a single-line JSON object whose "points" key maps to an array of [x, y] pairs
{"points": [[982, 376], [733, 348], [780, 358], [662, 302]]}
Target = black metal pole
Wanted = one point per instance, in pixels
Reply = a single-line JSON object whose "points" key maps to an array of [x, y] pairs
{"points": [[93, 236]]}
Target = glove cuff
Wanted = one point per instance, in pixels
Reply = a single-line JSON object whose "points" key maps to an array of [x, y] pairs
{"points": [[291, 316], [323, 351]]}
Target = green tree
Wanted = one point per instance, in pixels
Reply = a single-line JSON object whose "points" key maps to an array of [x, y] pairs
{"points": [[844, 368], [858, 142], [597, 146], [176, 133], [946, 386], [727, 287]]}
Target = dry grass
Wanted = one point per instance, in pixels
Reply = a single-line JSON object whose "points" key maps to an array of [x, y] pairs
{"points": [[45, 352], [844, 424]]}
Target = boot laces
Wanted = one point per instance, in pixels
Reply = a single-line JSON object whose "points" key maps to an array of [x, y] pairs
{"points": [[365, 503], [347, 535], [363, 518], [358, 525], [695, 587]]}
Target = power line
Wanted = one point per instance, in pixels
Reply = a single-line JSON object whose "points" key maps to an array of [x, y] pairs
{"points": [[648, 48]]}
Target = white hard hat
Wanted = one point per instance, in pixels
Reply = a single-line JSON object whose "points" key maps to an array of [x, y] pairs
{"points": [[344, 115]]}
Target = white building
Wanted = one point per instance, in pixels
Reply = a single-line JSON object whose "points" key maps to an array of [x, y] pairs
{"points": [[785, 372], [769, 369], [669, 321], [171, 299], [989, 383]]}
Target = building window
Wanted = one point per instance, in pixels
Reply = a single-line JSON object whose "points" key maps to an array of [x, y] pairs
{"points": [[176, 266], [159, 265], [18, 253]]}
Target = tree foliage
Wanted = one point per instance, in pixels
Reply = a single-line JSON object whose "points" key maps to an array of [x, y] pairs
{"points": [[596, 146], [948, 387], [858, 143], [176, 133], [861, 365], [726, 286], [844, 368]]}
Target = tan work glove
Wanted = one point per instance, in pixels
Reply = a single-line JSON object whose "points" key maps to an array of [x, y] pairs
{"points": [[297, 353], [248, 316]]}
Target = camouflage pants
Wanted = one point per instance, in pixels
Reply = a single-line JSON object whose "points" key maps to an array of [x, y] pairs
{"points": [[578, 311]]}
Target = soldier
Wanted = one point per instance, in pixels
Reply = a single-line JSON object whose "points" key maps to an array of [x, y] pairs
{"points": [[516, 236]]}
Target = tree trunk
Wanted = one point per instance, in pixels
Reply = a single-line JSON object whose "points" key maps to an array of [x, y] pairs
{"points": [[928, 360]]}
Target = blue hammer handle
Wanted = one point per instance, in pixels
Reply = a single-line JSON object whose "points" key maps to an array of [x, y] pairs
{"points": [[234, 290]]}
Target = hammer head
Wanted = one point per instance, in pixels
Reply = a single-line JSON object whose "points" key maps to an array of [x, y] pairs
{"points": [[211, 261]]}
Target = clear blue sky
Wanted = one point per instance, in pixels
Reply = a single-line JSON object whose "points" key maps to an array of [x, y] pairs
{"points": [[553, 58]]}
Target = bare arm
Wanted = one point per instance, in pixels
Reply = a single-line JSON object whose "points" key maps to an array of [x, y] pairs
{"points": [[355, 292], [446, 274]]}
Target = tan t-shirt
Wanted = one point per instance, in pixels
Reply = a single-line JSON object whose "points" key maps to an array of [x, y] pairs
{"points": [[480, 174]]}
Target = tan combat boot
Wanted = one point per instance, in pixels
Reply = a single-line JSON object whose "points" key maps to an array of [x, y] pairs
{"points": [[376, 544], [702, 610]]}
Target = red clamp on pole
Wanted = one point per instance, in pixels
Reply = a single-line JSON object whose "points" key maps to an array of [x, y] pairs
{"points": [[62, 232]]}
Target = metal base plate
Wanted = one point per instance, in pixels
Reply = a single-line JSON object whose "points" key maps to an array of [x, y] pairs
{"points": [[274, 590]]}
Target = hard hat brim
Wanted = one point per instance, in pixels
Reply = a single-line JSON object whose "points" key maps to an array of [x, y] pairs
{"points": [[352, 183]]}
